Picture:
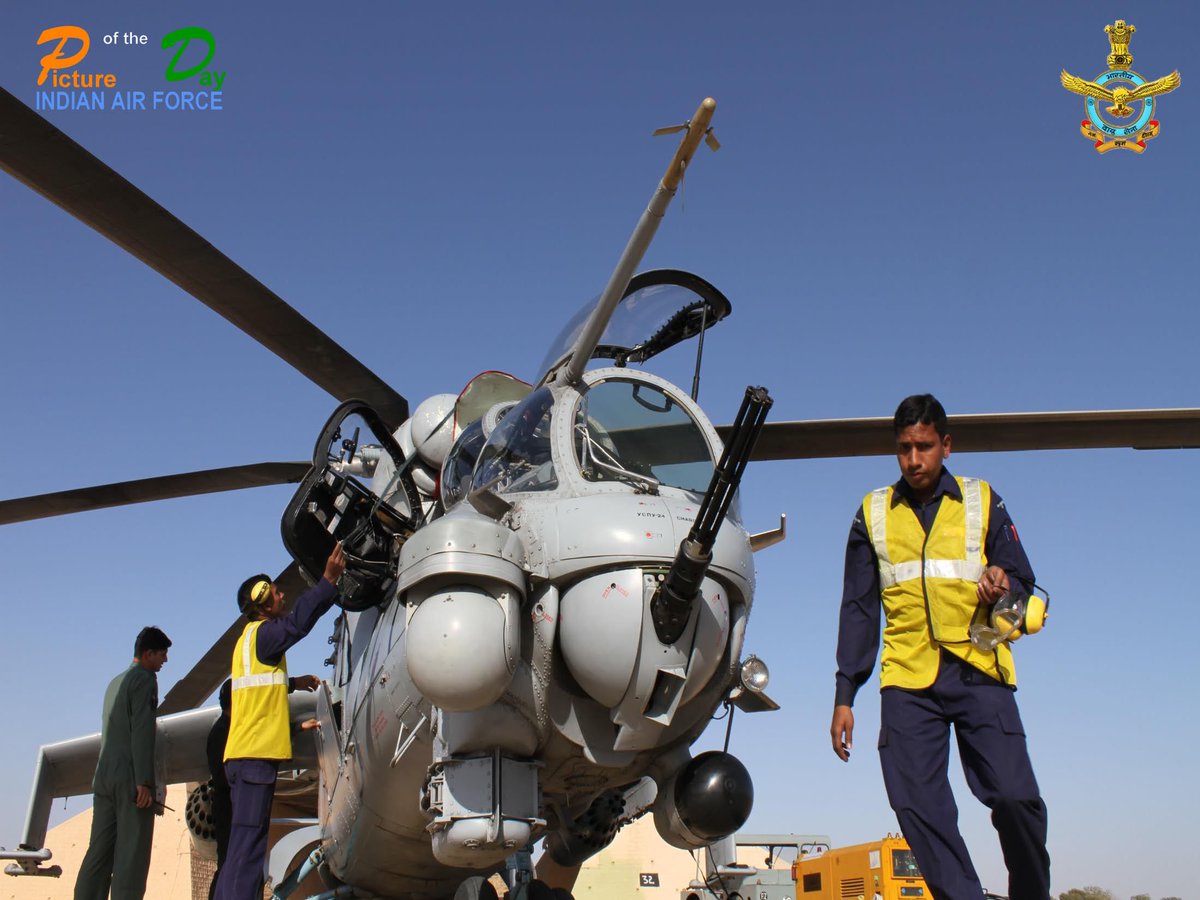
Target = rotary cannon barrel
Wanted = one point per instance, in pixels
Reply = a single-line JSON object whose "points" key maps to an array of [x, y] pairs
{"points": [[672, 603]]}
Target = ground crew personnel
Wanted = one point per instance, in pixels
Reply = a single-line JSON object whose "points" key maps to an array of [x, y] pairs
{"points": [[260, 726], [123, 799], [935, 551], [222, 802]]}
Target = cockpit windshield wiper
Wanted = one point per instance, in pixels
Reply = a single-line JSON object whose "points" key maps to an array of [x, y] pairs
{"points": [[592, 453]]}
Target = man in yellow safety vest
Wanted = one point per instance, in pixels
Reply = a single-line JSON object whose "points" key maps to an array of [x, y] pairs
{"points": [[933, 553], [260, 727]]}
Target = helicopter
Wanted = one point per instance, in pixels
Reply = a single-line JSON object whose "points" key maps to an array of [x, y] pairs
{"points": [[578, 535]]}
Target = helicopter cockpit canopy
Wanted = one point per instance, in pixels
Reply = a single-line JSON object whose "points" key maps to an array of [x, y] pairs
{"points": [[659, 310], [629, 430], [636, 430], [460, 463], [480, 405], [517, 455]]}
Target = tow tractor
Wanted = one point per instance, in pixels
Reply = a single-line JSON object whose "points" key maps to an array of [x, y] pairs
{"points": [[726, 879]]}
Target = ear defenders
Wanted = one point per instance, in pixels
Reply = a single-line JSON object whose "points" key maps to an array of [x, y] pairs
{"points": [[260, 593], [1033, 619], [1013, 615]]}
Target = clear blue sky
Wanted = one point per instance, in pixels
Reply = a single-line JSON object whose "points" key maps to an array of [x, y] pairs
{"points": [[902, 203]]}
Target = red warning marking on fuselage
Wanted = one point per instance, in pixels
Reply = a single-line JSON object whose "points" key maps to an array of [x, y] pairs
{"points": [[614, 587], [378, 725]]}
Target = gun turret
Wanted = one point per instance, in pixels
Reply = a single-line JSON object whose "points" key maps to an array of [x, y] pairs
{"points": [[672, 603]]}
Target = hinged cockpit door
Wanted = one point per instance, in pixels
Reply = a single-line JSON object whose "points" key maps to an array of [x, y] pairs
{"points": [[359, 492], [659, 309]]}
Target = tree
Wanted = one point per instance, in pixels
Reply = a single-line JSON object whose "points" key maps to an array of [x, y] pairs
{"points": [[1140, 897], [1088, 893]]}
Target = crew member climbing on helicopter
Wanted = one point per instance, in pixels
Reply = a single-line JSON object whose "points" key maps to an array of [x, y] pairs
{"points": [[222, 804], [260, 730]]}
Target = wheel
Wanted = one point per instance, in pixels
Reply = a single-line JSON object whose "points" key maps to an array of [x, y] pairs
{"points": [[475, 888], [561, 894]]}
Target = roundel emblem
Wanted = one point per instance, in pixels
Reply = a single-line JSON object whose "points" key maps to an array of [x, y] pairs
{"points": [[1119, 127]]}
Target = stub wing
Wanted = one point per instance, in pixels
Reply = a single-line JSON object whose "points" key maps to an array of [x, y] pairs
{"points": [[65, 769]]}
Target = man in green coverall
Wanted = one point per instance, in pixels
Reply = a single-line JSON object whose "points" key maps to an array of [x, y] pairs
{"points": [[124, 805]]}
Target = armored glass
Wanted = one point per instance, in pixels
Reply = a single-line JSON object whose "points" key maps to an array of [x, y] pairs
{"points": [[517, 455], [460, 463], [634, 432]]}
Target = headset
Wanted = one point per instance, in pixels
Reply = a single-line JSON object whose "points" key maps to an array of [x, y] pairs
{"points": [[254, 593], [1033, 616], [1013, 615], [1037, 610]]}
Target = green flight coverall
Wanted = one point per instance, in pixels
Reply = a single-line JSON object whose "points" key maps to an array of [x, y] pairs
{"points": [[119, 849]]}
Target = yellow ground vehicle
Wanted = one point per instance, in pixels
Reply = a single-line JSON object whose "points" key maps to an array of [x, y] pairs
{"points": [[880, 870]]}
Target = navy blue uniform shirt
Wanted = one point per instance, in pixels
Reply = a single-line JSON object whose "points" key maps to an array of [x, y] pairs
{"points": [[859, 623], [275, 636]]}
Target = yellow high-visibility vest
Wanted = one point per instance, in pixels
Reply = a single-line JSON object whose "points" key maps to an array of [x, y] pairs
{"points": [[928, 584], [259, 727]]}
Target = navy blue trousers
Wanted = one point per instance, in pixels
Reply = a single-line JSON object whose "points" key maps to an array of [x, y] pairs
{"points": [[914, 750], [252, 788]]}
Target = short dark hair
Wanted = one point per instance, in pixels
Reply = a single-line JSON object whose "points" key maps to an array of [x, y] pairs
{"points": [[245, 604], [920, 409], [225, 695], [150, 638]]}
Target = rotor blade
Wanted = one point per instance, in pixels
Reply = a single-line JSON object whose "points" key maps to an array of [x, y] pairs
{"points": [[143, 490], [39, 155], [214, 666], [1141, 429]]}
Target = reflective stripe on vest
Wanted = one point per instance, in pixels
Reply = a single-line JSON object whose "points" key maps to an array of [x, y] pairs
{"points": [[260, 725], [929, 603], [259, 680], [275, 676], [970, 568]]}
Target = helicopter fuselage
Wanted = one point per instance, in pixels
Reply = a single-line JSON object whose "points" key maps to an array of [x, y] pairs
{"points": [[513, 678]]}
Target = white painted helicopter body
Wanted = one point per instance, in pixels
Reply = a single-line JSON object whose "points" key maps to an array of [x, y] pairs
{"points": [[515, 675]]}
